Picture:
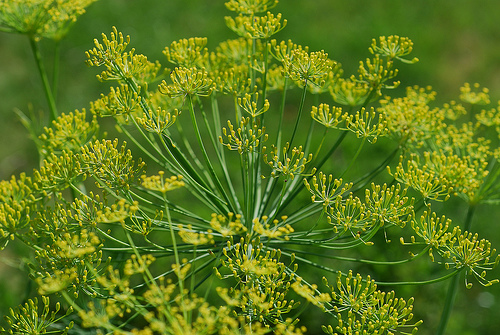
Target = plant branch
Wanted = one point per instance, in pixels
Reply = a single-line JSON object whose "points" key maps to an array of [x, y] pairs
{"points": [[45, 80]]}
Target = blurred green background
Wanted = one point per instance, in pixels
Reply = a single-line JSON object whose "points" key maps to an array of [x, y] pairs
{"points": [[456, 42]]}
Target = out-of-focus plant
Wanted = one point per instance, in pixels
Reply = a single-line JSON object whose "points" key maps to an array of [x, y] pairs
{"points": [[218, 235], [38, 19]]}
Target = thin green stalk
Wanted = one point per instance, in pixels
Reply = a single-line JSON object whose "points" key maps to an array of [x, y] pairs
{"points": [[193, 271], [147, 274], [281, 115], [191, 174], [490, 187], [277, 204], [248, 189], [207, 159], [304, 212], [194, 157], [293, 188], [264, 75], [299, 114], [161, 162], [55, 69], [452, 288], [219, 150], [353, 160], [45, 80], [368, 176], [454, 274], [316, 154], [256, 182], [448, 305], [176, 255], [362, 260], [330, 152], [272, 182], [320, 164], [251, 68], [237, 110]]}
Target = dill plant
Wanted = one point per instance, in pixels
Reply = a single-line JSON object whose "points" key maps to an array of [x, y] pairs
{"points": [[244, 191]]}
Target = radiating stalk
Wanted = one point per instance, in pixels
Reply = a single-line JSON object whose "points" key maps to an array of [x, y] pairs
{"points": [[221, 155], [176, 254], [272, 182], [207, 159], [45, 80], [299, 114], [55, 69], [353, 160]]}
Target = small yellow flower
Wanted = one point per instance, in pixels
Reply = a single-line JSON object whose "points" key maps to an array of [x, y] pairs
{"points": [[188, 52], [322, 115], [162, 184], [281, 230], [292, 164], [303, 66], [227, 226], [187, 82], [393, 47], [469, 95], [188, 235], [250, 7], [310, 293], [256, 27]]}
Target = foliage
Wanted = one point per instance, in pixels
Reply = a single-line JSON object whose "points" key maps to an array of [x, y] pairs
{"points": [[217, 235]]}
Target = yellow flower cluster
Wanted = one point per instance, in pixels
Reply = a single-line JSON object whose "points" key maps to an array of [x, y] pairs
{"points": [[41, 18]]}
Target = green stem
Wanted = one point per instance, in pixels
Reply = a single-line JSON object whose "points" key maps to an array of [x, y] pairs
{"points": [[299, 114], [293, 188], [272, 182], [219, 151], [191, 174], [316, 154], [227, 203], [176, 254], [319, 165], [362, 260], [369, 176], [193, 267], [55, 70], [452, 288], [354, 158], [453, 275], [45, 80], [264, 75], [221, 154], [282, 113], [448, 305], [330, 152]]}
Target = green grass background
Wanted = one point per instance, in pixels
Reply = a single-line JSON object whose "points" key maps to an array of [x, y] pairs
{"points": [[456, 42]]}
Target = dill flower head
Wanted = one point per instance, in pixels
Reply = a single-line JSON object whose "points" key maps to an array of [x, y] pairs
{"points": [[303, 66], [262, 27], [160, 183], [41, 18], [229, 225], [393, 47], [292, 164], [322, 115], [474, 95], [31, 318], [250, 7], [188, 82], [188, 53], [191, 236]]}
